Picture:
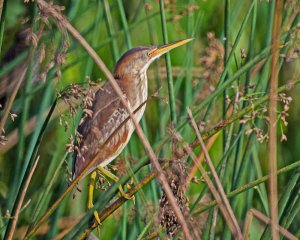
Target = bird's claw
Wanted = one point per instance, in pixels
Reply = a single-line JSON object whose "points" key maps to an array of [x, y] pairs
{"points": [[96, 215], [126, 195], [97, 218]]}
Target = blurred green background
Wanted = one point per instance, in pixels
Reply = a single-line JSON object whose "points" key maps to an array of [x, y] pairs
{"points": [[237, 33]]}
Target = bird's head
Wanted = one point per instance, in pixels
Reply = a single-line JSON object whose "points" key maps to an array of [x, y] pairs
{"points": [[137, 60]]}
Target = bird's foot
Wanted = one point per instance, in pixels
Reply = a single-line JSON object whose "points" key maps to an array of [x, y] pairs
{"points": [[116, 179], [96, 215], [126, 195], [90, 196]]}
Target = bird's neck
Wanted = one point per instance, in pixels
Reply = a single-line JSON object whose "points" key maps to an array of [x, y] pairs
{"points": [[135, 86]]}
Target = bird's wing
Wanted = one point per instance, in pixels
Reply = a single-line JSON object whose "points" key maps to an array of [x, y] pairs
{"points": [[107, 119]]}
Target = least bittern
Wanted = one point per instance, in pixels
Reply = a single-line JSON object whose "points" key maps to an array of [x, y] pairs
{"points": [[109, 130]]}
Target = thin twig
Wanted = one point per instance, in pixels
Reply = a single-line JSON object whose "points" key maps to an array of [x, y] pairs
{"points": [[12, 97], [63, 223], [210, 184], [168, 64], [238, 232], [161, 177], [223, 123], [273, 118], [253, 212], [247, 224], [19, 205], [193, 170]]}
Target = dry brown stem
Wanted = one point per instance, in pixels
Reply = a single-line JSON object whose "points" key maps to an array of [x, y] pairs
{"points": [[201, 158], [266, 220], [273, 118], [19, 204], [210, 185], [105, 213], [63, 223], [11, 99], [237, 231]]}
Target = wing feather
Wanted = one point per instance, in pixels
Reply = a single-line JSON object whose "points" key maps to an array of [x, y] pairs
{"points": [[108, 115]]}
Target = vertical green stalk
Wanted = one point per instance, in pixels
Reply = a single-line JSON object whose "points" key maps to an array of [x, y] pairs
{"points": [[2, 22], [188, 92], [231, 55], [226, 139], [2, 226], [226, 30], [52, 174], [32, 156], [111, 31], [266, 71], [57, 215], [25, 99], [239, 166], [145, 230], [288, 204], [162, 124], [74, 7], [226, 53], [168, 63], [292, 209], [207, 230], [246, 89], [124, 222], [259, 174], [96, 31], [124, 22], [251, 45], [224, 157], [18, 173]]}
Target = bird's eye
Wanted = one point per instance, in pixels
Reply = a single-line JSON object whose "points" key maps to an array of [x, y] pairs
{"points": [[149, 54]]}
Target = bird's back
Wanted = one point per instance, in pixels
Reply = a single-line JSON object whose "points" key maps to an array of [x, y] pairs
{"points": [[105, 134]]}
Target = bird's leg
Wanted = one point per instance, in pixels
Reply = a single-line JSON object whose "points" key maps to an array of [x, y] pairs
{"points": [[90, 195], [115, 179]]}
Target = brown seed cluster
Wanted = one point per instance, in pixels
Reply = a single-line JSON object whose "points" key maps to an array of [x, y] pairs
{"points": [[58, 58], [2, 139], [213, 59], [211, 62], [286, 101], [176, 178], [293, 53], [250, 120], [260, 113], [76, 96], [176, 11]]}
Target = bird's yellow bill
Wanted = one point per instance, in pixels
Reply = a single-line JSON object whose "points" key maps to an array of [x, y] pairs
{"points": [[165, 48]]}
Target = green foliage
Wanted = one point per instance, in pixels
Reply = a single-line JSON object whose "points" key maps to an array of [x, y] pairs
{"points": [[223, 80]]}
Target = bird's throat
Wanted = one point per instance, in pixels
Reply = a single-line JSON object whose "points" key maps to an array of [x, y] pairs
{"points": [[136, 90]]}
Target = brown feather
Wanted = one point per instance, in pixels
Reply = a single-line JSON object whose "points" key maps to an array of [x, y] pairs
{"points": [[108, 115]]}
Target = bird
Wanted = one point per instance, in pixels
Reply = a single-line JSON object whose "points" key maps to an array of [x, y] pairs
{"points": [[108, 130]]}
